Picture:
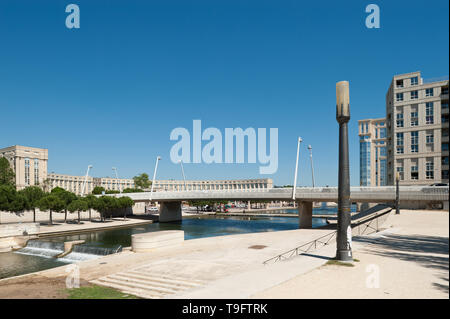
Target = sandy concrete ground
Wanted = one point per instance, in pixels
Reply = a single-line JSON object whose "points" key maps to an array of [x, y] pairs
{"points": [[411, 258]]}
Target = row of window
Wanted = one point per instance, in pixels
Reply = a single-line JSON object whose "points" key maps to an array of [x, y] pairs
{"points": [[414, 115], [413, 81], [414, 95], [414, 170], [414, 142]]}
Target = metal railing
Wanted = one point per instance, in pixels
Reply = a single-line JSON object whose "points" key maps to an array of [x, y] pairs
{"points": [[304, 248], [367, 225]]}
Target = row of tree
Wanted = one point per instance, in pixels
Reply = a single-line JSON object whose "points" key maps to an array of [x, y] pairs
{"points": [[59, 201]]}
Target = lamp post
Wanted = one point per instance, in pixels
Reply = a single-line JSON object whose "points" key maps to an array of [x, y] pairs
{"points": [[182, 171], [312, 166], [344, 230], [158, 158], [85, 180], [299, 141], [117, 177], [397, 193]]}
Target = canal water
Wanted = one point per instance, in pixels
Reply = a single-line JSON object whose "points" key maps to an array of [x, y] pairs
{"points": [[39, 255]]}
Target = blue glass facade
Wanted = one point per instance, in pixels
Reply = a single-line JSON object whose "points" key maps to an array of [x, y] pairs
{"points": [[364, 160]]}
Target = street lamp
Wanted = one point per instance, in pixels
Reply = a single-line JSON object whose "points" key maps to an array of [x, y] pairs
{"points": [[397, 193], [158, 158], [344, 230], [117, 177], [182, 171], [85, 180], [312, 166], [299, 141]]}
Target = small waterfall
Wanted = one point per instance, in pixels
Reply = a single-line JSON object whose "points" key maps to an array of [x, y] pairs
{"points": [[39, 248], [85, 252], [48, 249]]}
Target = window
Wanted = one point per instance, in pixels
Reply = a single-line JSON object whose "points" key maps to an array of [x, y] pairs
{"points": [[414, 95], [399, 122], [429, 92], [429, 118], [399, 83], [444, 147], [414, 80], [414, 171], [27, 171], [414, 117], [415, 142], [444, 160], [444, 90], [400, 143], [399, 97], [36, 171], [429, 169], [382, 132], [430, 137]]}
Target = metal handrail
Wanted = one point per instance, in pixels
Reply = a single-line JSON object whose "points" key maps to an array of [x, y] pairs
{"points": [[310, 244]]}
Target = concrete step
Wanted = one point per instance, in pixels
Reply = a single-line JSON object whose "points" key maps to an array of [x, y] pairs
{"points": [[174, 280], [160, 283], [127, 283], [138, 281], [125, 289]]}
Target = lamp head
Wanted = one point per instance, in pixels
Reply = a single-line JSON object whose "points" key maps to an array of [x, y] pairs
{"points": [[158, 158], [309, 147], [300, 139], [342, 102]]}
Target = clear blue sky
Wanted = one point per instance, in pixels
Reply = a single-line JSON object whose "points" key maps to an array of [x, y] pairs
{"points": [[109, 93]]}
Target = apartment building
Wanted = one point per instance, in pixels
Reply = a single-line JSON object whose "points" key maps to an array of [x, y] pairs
{"points": [[372, 152], [29, 164], [417, 123]]}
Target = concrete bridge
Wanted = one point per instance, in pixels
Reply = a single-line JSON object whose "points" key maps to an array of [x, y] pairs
{"points": [[170, 202]]}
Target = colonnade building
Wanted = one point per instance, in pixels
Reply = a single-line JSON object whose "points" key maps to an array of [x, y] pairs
{"points": [[30, 167]]}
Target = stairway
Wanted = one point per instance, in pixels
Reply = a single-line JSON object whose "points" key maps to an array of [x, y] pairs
{"points": [[147, 284]]}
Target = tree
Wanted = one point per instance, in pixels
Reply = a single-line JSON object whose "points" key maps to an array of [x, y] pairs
{"points": [[141, 181], [32, 194], [18, 204], [105, 204], [90, 200], [78, 205], [66, 196], [7, 195], [7, 175], [124, 203], [52, 203], [98, 190]]}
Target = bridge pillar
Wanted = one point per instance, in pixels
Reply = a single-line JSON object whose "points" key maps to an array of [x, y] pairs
{"points": [[169, 212], [305, 214]]}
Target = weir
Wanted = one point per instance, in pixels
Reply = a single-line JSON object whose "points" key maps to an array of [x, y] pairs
{"points": [[49, 249]]}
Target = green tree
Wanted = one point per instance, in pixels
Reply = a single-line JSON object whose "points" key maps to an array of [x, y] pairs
{"points": [[7, 175], [32, 194], [18, 204], [52, 203], [105, 204], [7, 196], [98, 190], [90, 200], [78, 205], [66, 196], [124, 203], [141, 181]]}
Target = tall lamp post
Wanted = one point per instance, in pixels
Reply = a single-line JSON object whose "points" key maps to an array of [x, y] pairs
{"points": [[344, 230], [85, 180], [397, 193], [299, 141], [182, 171], [158, 158], [312, 166], [117, 177]]}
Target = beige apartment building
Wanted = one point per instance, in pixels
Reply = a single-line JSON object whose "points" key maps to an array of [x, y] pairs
{"points": [[29, 164], [417, 121], [372, 152]]}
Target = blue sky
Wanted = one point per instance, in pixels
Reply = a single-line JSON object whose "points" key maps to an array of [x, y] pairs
{"points": [[110, 93]]}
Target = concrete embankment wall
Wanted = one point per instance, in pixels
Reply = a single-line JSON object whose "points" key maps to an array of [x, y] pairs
{"points": [[27, 216], [16, 235]]}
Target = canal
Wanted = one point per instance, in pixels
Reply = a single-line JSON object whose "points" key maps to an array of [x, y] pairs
{"points": [[40, 256]]}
